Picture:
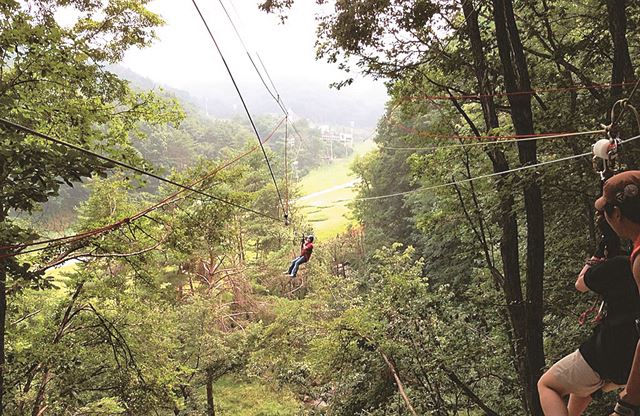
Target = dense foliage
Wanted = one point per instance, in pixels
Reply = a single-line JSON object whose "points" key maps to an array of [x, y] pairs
{"points": [[443, 300]]}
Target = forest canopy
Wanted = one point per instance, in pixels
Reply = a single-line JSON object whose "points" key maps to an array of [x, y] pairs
{"points": [[451, 292]]}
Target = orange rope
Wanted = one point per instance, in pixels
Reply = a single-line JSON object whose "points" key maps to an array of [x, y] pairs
{"points": [[117, 224], [507, 94]]}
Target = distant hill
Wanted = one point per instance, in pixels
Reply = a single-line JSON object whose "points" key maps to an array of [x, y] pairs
{"points": [[353, 104]]}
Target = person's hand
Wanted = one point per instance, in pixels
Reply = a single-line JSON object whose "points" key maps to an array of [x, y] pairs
{"points": [[594, 260], [623, 408]]}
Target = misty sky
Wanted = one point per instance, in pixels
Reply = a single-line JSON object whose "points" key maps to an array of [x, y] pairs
{"points": [[184, 56]]}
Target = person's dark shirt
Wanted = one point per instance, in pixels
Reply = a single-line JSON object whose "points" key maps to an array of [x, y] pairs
{"points": [[611, 347]]}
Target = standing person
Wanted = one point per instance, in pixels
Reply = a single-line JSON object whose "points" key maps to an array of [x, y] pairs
{"points": [[305, 255], [620, 202], [604, 360]]}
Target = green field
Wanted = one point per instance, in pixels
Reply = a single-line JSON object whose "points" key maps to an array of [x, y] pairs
{"points": [[238, 397], [328, 217]]}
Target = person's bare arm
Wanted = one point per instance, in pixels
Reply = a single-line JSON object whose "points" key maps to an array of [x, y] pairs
{"points": [[629, 399], [631, 393], [580, 284]]}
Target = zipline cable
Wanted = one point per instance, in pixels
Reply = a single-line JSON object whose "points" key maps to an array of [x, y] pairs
{"points": [[274, 94], [436, 135], [495, 142], [271, 80], [130, 167], [452, 183], [246, 109], [286, 165], [165, 201], [258, 56]]}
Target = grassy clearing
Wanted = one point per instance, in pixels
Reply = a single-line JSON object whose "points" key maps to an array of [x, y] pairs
{"points": [[240, 397], [59, 274], [324, 177], [328, 217], [335, 173]]}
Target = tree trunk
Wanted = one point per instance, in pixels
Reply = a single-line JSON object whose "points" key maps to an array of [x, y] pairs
{"points": [[511, 284], [3, 318], [211, 410], [622, 69], [39, 404], [516, 77], [469, 393], [241, 256], [399, 384], [3, 312], [40, 397]]}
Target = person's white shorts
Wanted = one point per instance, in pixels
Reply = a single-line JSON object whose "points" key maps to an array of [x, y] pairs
{"points": [[578, 377]]}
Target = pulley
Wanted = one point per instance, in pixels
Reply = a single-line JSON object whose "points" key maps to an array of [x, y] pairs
{"points": [[605, 155]]}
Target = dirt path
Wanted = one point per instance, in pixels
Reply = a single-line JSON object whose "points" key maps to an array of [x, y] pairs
{"points": [[326, 191]]}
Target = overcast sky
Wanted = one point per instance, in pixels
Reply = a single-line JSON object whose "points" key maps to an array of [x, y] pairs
{"points": [[184, 56]]}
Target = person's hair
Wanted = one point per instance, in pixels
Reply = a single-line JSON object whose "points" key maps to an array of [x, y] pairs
{"points": [[628, 200], [630, 208]]}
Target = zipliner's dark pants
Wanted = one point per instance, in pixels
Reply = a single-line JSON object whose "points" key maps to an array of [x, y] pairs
{"points": [[295, 264]]}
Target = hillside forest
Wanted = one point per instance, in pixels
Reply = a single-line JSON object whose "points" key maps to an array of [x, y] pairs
{"points": [[160, 290]]}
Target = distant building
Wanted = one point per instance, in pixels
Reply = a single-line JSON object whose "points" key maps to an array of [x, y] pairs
{"points": [[332, 136]]}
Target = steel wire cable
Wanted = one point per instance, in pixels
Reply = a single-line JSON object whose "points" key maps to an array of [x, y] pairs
{"points": [[496, 141], [244, 105], [274, 94], [27, 130], [266, 71], [165, 201], [624, 105], [462, 181]]}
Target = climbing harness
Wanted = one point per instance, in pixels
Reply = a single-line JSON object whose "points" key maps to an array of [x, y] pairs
{"points": [[606, 152], [598, 313]]}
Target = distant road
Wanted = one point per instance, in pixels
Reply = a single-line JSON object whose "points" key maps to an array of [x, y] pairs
{"points": [[332, 189]]}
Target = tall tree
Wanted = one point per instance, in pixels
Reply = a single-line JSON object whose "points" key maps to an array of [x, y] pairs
{"points": [[53, 78], [622, 68], [509, 279], [516, 79]]}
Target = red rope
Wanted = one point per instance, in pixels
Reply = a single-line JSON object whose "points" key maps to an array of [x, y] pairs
{"points": [[515, 93], [117, 224], [424, 133]]}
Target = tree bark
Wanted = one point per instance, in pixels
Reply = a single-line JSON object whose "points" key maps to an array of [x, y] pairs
{"points": [[516, 78], [3, 313], [622, 69], [399, 384], [556, 51], [211, 410], [511, 283], [3, 318], [40, 397], [469, 393], [39, 403]]}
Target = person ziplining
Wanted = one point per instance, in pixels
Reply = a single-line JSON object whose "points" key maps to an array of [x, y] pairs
{"points": [[306, 248]]}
